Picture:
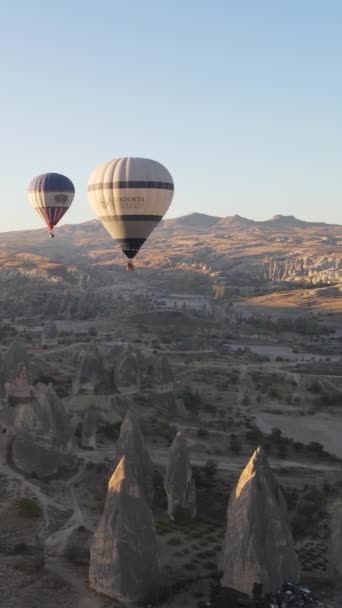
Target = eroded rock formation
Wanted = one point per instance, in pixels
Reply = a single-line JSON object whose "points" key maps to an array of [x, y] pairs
{"points": [[179, 485], [305, 268], [167, 403], [2, 378], [124, 561], [15, 359], [258, 545], [92, 376], [127, 371], [131, 445], [19, 390], [163, 395], [49, 334], [89, 428], [335, 548], [43, 442], [162, 375]]}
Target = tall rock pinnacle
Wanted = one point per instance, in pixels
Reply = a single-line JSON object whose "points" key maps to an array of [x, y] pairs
{"points": [[131, 445], [179, 485], [124, 562], [258, 545]]}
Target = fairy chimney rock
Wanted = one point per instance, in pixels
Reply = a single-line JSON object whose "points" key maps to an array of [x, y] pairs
{"points": [[124, 561], [131, 445], [179, 485], [258, 544]]}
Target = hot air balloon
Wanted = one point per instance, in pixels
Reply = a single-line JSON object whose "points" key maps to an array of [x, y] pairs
{"points": [[51, 195], [130, 196]]}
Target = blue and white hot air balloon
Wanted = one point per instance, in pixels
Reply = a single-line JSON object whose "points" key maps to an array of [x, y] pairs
{"points": [[51, 195]]}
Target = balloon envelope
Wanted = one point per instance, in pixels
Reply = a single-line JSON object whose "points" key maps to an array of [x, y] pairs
{"points": [[51, 195], [130, 196]]}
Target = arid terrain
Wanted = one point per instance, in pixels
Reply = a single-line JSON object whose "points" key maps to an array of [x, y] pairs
{"points": [[249, 317]]}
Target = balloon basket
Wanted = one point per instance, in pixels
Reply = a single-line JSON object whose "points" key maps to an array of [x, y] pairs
{"points": [[52, 236], [130, 267]]}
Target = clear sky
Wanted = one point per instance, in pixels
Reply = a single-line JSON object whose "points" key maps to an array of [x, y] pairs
{"points": [[241, 100]]}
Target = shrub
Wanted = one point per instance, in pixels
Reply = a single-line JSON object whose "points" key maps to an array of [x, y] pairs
{"points": [[72, 554], [254, 435], [29, 508], [189, 566], [245, 399], [315, 387], [182, 516], [210, 468], [202, 433], [276, 434], [21, 548], [192, 400], [315, 448], [274, 393], [111, 431], [30, 564], [235, 444], [174, 541], [282, 450]]}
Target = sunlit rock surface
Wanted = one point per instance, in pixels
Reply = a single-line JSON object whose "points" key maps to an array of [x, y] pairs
{"points": [[258, 544], [131, 445], [179, 485], [124, 562]]}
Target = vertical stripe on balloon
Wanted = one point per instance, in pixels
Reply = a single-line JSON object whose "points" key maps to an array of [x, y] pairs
{"points": [[51, 215]]}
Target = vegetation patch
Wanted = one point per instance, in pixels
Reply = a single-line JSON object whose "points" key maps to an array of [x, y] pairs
{"points": [[26, 507]]}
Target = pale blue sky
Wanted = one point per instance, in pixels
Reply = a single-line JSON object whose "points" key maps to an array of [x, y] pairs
{"points": [[241, 100]]}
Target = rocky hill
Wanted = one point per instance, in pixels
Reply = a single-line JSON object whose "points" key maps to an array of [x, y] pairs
{"points": [[283, 248]]}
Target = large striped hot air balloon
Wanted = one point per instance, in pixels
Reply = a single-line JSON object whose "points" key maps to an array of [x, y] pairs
{"points": [[51, 195], [130, 197]]}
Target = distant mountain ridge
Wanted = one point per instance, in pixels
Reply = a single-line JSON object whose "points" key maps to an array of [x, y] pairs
{"points": [[282, 248], [204, 220], [193, 220]]}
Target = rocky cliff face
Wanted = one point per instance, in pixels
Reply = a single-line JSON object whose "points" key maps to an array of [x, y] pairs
{"points": [[304, 269], [124, 561], [179, 485], [258, 545], [131, 446]]}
